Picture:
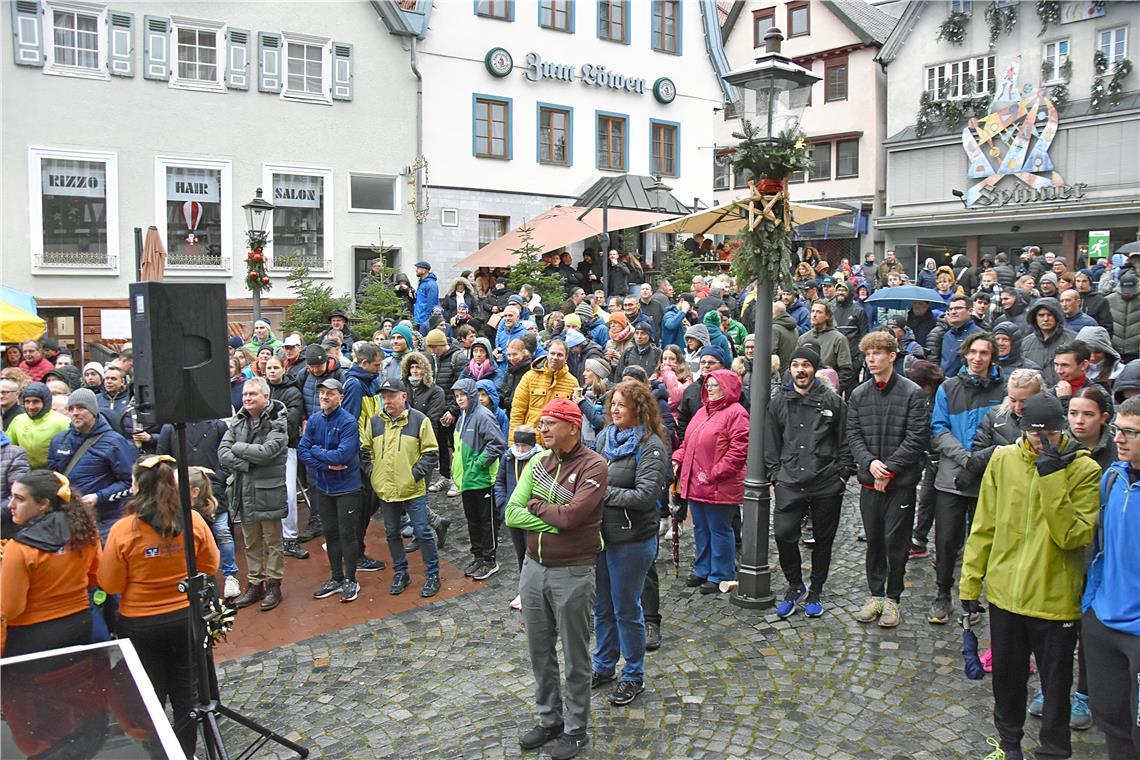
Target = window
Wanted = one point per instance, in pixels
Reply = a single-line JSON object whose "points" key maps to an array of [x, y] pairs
{"points": [[820, 161], [199, 61], [492, 137], [374, 193], [74, 32], [1053, 57], [491, 228], [194, 203], [666, 26], [611, 142], [847, 158], [73, 210], [762, 20], [962, 6], [500, 9], [302, 218], [835, 80], [950, 79], [799, 19], [740, 179], [556, 14], [722, 171], [305, 65], [1113, 43], [665, 158], [613, 20], [554, 135]]}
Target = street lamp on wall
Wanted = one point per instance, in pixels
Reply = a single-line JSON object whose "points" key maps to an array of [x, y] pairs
{"points": [[259, 220]]}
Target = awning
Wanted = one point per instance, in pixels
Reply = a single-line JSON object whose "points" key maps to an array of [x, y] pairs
{"points": [[731, 218], [555, 229], [17, 325]]}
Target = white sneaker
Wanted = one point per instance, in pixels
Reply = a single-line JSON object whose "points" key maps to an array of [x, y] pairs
{"points": [[440, 484], [516, 603], [663, 526], [232, 588], [453, 491]]}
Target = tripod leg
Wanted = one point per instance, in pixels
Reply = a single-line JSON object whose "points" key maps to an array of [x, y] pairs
{"points": [[213, 736], [262, 730]]}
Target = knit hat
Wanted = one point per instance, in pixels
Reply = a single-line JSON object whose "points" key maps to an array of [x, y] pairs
{"points": [[84, 398], [804, 352], [1048, 276], [257, 322], [599, 368], [561, 409], [95, 366], [717, 353], [619, 318], [1042, 412], [585, 312], [315, 355], [235, 341], [435, 338], [404, 332], [574, 338], [572, 320]]}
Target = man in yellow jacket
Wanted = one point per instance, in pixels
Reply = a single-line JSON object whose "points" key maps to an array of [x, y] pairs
{"points": [[1036, 512], [548, 378]]}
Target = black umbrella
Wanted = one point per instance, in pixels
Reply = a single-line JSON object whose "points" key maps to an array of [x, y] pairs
{"points": [[1127, 248]]}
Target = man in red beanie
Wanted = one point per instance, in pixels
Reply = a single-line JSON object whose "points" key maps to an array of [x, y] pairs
{"points": [[558, 502]]}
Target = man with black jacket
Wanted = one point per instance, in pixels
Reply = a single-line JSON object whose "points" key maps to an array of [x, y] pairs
{"points": [[888, 432], [283, 388], [809, 460]]}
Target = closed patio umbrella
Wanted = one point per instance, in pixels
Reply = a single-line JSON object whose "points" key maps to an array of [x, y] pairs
{"points": [[153, 258]]}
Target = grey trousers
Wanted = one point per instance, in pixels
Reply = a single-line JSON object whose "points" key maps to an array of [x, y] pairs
{"points": [[557, 602]]}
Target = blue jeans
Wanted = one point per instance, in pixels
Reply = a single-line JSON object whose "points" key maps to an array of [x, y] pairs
{"points": [[715, 541], [224, 537], [618, 619], [417, 510]]}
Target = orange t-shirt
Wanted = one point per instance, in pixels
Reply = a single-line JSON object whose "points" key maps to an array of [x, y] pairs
{"points": [[36, 586], [146, 568]]}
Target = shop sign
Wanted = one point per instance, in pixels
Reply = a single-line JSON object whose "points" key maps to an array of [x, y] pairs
{"points": [[1080, 10], [75, 179], [200, 185], [297, 190], [1098, 244], [1013, 141], [500, 64]]}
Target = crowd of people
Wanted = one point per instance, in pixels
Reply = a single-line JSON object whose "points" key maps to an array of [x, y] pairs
{"points": [[1001, 415]]}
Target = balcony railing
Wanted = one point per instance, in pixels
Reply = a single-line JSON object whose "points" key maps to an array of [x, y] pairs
{"points": [[77, 260], [197, 261], [315, 263]]}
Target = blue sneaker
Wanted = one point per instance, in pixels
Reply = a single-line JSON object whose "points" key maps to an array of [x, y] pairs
{"points": [[1037, 706], [1080, 717], [813, 607], [786, 607]]}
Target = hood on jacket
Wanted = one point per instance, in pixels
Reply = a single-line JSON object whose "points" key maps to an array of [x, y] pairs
{"points": [[361, 374], [1097, 339], [415, 357], [467, 386], [461, 281], [429, 276], [68, 373], [960, 262], [1128, 380], [405, 332], [1020, 301], [486, 344], [1053, 306], [731, 383], [699, 333], [492, 392], [1013, 332], [40, 391], [785, 321], [49, 532]]}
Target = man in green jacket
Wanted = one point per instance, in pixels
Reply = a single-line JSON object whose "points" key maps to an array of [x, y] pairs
{"points": [[478, 445], [33, 430], [1036, 512]]}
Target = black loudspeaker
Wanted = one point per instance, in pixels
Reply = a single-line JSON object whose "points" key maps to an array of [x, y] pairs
{"points": [[181, 361]]}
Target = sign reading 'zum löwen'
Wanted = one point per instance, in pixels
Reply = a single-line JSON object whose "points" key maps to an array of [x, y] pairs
{"points": [[500, 64]]}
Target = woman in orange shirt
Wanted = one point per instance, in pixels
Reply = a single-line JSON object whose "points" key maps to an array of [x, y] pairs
{"points": [[48, 567], [143, 560]]}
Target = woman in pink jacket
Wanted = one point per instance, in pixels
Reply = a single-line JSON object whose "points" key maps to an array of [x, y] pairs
{"points": [[674, 372], [710, 471]]}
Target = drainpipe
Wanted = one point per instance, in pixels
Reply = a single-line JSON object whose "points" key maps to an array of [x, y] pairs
{"points": [[419, 145]]}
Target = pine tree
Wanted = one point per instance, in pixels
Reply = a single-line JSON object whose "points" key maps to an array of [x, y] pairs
{"points": [[309, 315], [529, 270], [379, 301], [680, 267]]}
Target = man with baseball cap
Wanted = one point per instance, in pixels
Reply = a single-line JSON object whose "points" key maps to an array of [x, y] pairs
{"points": [[329, 450], [558, 503], [292, 356], [1037, 510]]}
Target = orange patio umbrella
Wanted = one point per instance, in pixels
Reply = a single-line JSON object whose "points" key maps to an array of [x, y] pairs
{"points": [[153, 258]]}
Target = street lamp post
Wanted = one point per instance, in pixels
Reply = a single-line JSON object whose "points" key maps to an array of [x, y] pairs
{"points": [[258, 216], [658, 198], [776, 93]]}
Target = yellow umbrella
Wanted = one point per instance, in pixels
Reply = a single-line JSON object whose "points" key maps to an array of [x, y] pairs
{"points": [[17, 325], [731, 218]]}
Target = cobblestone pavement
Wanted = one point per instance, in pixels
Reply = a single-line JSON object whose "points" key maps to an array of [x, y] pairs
{"points": [[452, 679]]}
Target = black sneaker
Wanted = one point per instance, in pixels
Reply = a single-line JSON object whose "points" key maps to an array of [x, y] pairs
{"points": [[328, 588], [472, 566], [600, 679], [399, 583], [539, 735], [309, 533], [693, 581], [626, 692], [485, 571], [295, 550], [568, 746], [349, 590], [369, 565], [441, 532], [652, 637], [710, 587], [431, 586]]}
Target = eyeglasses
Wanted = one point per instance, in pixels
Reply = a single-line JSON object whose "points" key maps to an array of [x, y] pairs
{"points": [[1130, 434]]}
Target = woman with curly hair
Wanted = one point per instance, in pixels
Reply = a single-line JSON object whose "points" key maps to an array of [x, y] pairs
{"points": [[48, 566], [143, 560]]}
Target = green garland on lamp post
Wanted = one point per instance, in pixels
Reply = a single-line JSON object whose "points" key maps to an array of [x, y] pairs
{"points": [[257, 277]]}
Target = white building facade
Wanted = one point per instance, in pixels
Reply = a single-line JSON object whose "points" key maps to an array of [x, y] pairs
{"points": [[528, 104], [125, 116]]}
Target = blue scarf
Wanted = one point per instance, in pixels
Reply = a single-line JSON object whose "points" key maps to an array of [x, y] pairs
{"points": [[622, 443]]}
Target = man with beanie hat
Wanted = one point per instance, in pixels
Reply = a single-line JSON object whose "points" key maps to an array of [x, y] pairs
{"points": [[808, 459], [95, 458], [558, 503], [592, 325], [642, 353], [427, 294], [33, 430], [263, 337], [1037, 510], [599, 367]]}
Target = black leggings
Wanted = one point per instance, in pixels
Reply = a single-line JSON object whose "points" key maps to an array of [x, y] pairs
{"points": [[67, 631], [163, 645], [340, 517]]}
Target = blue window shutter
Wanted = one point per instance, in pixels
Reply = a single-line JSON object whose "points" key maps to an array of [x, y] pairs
{"points": [[121, 43], [342, 71], [268, 62], [156, 48], [27, 48], [237, 59]]}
